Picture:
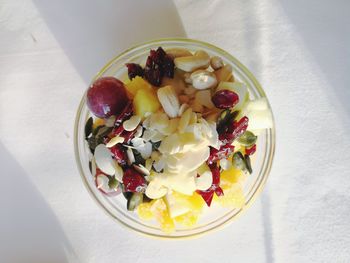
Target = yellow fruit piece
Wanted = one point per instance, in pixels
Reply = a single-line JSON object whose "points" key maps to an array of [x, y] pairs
{"points": [[230, 177], [144, 211], [234, 198], [145, 101], [196, 202], [136, 84], [98, 122], [166, 223], [188, 219]]}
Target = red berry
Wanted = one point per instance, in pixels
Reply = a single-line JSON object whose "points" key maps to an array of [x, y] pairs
{"points": [[133, 181], [134, 70], [223, 152], [124, 115], [251, 150], [119, 154], [106, 97], [208, 194], [225, 99], [168, 67], [234, 130]]}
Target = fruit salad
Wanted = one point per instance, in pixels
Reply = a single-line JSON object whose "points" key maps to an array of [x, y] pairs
{"points": [[175, 137]]}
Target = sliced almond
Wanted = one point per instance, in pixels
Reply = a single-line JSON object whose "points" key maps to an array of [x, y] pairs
{"points": [[224, 73], [203, 97], [185, 120], [182, 109], [140, 168], [204, 181], [169, 101], [173, 124], [118, 172], [132, 123], [131, 157], [200, 60], [159, 121], [114, 141], [157, 137], [138, 132], [104, 160]]}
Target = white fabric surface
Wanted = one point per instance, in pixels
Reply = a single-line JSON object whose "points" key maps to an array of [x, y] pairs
{"points": [[298, 50]]}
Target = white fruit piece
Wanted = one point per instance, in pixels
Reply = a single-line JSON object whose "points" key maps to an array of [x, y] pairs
{"points": [[104, 160], [132, 123], [259, 114], [203, 97], [169, 101], [114, 141], [237, 87]]}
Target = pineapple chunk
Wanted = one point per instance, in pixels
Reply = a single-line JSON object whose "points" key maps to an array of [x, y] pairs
{"points": [[145, 101], [230, 177], [137, 84], [189, 219], [233, 198], [144, 211]]}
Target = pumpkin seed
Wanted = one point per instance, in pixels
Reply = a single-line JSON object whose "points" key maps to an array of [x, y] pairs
{"points": [[248, 163], [134, 200], [88, 127], [96, 130], [104, 131], [238, 161], [247, 139]]}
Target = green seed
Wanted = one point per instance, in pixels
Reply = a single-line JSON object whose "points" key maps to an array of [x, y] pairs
{"points": [[248, 163], [247, 139], [112, 183], [238, 161]]}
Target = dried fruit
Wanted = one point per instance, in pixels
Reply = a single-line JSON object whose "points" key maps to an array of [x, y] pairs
{"points": [[134, 70], [134, 181], [234, 130], [208, 194], [223, 152], [119, 153], [251, 150], [225, 99], [158, 65]]}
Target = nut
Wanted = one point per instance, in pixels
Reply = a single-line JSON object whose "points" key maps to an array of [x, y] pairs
{"points": [[224, 73], [216, 63], [178, 52], [200, 60], [187, 78], [203, 79]]}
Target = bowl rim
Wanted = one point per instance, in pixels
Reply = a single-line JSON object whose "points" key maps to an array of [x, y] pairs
{"points": [[270, 156]]}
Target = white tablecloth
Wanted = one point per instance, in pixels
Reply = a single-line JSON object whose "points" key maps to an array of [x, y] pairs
{"points": [[298, 50]]}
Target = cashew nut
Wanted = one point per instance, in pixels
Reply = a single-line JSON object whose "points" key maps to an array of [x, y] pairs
{"points": [[216, 62], [224, 73], [203, 79], [178, 52], [200, 60]]}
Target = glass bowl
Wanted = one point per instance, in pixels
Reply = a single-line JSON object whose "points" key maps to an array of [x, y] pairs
{"points": [[211, 219]]}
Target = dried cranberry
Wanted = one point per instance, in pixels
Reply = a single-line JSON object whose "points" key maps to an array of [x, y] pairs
{"points": [[133, 181], [134, 70], [251, 150], [208, 194], [225, 99], [124, 115], [119, 154], [221, 153], [168, 67], [234, 130], [128, 135], [158, 64]]}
